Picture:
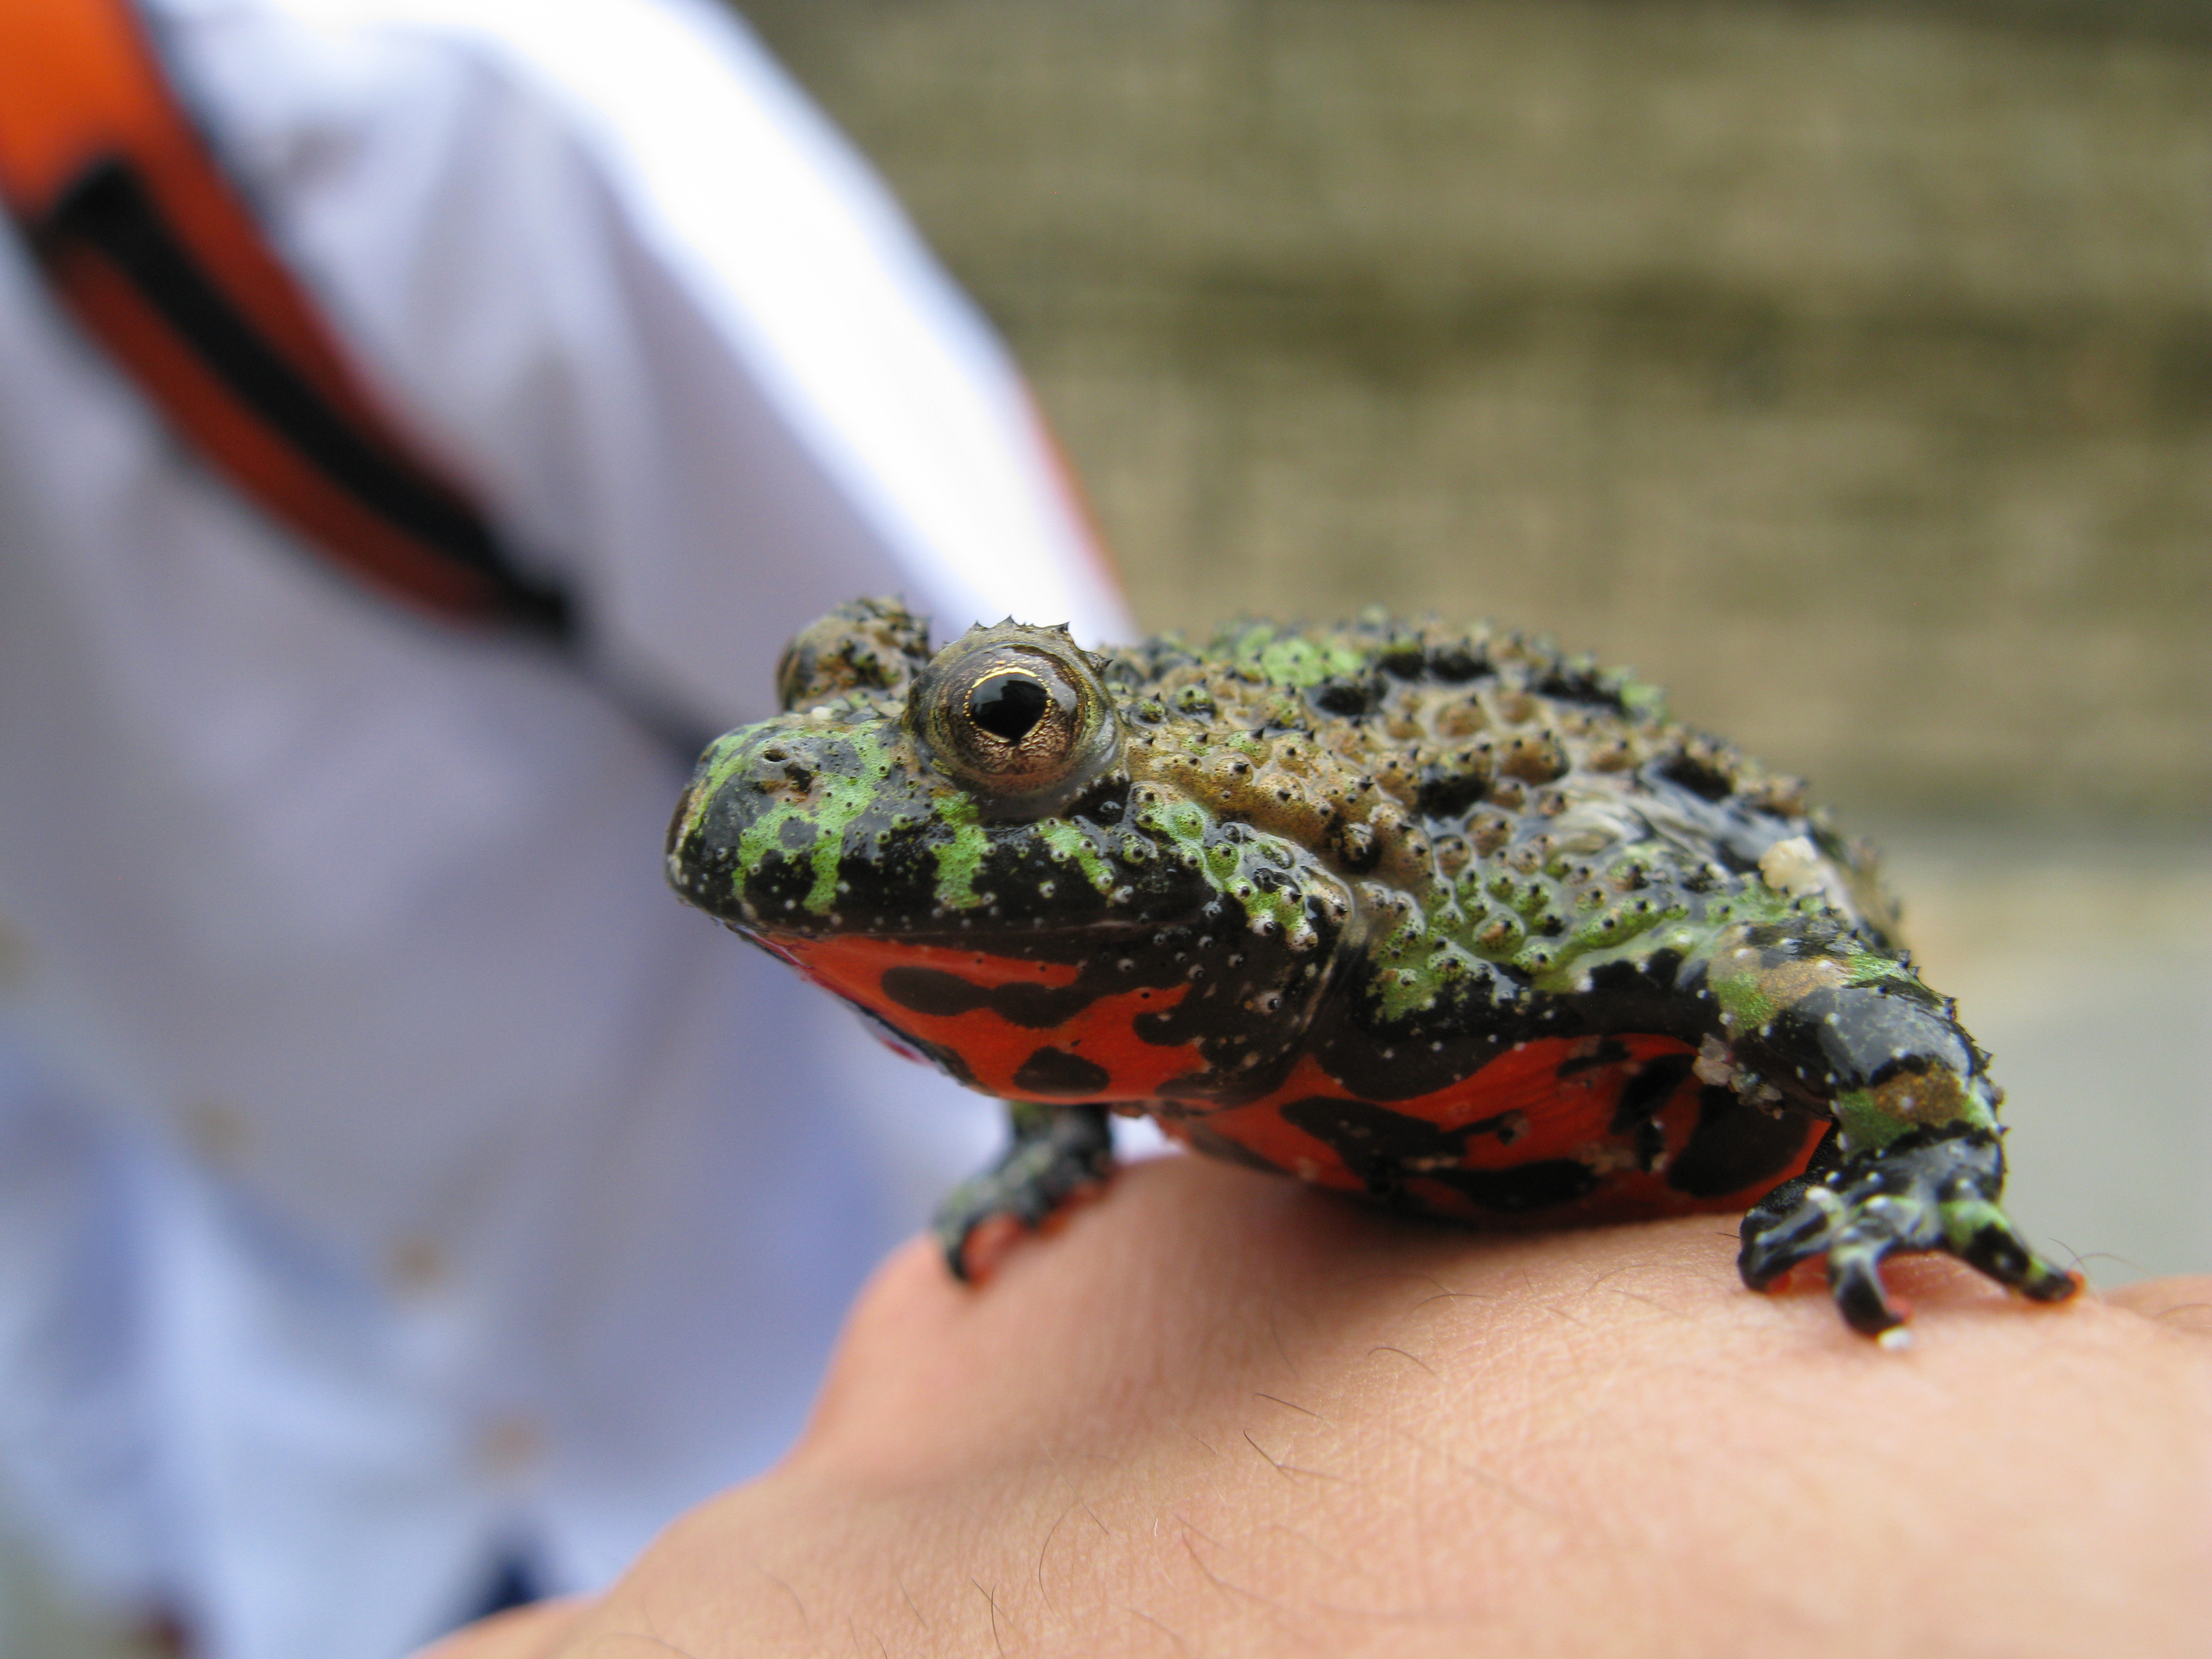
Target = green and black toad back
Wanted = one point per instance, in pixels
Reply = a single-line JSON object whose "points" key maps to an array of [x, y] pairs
{"points": [[1439, 917]]}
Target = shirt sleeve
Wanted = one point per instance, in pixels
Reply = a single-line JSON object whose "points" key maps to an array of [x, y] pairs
{"points": [[605, 261]]}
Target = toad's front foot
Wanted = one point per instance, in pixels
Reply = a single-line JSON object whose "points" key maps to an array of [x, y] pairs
{"points": [[1059, 1153], [1929, 1189]]}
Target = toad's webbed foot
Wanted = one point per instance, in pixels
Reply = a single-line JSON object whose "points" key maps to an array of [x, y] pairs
{"points": [[1059, 1153], [1929, 1190]]}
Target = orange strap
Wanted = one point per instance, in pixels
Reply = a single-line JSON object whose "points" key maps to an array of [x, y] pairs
{"points": [[152, 247]]}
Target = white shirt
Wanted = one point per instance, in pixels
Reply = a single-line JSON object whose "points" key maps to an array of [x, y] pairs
{"points": [[390, 1172]]}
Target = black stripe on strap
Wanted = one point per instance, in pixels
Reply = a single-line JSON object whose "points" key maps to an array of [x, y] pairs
{"points": [[110, 210]]}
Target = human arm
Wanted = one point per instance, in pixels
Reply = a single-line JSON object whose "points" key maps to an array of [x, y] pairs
{"points": [[1223, 1414]]}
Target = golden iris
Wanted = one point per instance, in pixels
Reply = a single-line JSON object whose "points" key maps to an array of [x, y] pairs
{"points": [[1021, 722]]}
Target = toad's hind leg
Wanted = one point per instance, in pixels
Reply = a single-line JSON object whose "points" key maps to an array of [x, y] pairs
{"points": [[1058, 1154], [1928, 1189]]}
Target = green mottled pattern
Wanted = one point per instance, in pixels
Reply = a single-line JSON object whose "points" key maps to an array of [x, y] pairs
{"points": [[960, 852], [1073, 844]]}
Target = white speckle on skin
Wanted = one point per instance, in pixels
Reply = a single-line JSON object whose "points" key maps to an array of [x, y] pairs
{"points": [[1714, 1065]]}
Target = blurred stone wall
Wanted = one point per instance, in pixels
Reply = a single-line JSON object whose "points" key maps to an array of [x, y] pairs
{"points": [[1846, 368]]}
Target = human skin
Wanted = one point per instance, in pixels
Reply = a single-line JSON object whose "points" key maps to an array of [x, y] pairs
{"points": [[1220, 1414]]}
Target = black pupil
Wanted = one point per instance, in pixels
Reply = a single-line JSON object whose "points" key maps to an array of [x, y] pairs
{"points": [[1008, 706]]}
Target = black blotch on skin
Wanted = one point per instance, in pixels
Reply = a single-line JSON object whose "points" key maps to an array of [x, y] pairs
{"points": [[1446, 794], [1163, 1029], [1454, 664], [933, 990], [1866, 1034], [780, 884], [1735, 1145], [1403, 660], [1055, 1071], [1348, 696], [1529, 1186], [1699, 780], [1609, 1052], [1570, 686], [1652, 1088], [1651, 997], [1214, 1013], [1040, 1008], [1025, 1003], [1657, 975], [1407, 1055], [1377, 1145]]}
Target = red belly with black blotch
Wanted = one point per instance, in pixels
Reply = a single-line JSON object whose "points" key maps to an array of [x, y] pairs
{"points": [[986, 1010], [1554, 1131]]}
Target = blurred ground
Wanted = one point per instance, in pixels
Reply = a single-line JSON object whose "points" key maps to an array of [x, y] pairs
{"points": [[1846, 366]]}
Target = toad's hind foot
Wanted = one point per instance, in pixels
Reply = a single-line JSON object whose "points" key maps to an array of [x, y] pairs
{"points": [[1929, 1189], [1059, 1154]]}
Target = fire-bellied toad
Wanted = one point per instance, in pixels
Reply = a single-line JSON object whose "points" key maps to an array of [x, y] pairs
{"points": [[1436, 916]]}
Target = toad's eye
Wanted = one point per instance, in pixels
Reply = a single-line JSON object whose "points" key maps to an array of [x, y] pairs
{"points": [[1013, 721], [1015, 715]]}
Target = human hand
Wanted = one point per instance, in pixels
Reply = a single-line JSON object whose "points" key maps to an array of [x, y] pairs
{"points": [[1222, 1414]]}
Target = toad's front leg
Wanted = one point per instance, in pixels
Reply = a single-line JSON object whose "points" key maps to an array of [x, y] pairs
{"points": [[1058, 1154], [1928, 1189], [1915, 1162]]}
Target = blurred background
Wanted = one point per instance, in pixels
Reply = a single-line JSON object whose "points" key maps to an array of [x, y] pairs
{"points": [[1845, 367]]}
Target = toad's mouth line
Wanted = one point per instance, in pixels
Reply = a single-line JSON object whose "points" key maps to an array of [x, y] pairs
{"points": [[1035, 939]]}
